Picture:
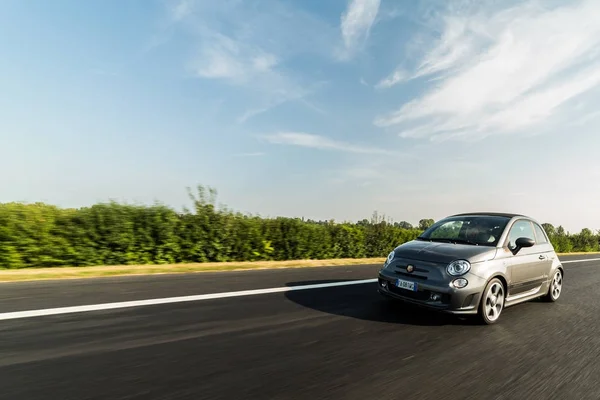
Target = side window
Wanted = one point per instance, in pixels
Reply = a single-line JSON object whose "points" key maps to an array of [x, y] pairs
{"points": [[521, 228], [540, 236]]}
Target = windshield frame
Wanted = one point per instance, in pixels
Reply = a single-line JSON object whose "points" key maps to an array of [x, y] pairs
{"points": [[492, 220]]}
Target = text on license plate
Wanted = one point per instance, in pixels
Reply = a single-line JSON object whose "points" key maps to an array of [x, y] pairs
{"points": [[402, 284]]}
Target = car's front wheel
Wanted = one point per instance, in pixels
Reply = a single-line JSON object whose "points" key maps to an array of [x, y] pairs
{"points": [[492, 302], [555, 288]]}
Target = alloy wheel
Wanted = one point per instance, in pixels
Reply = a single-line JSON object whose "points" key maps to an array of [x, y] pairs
{"points": [[494, 301], [556, 285]]}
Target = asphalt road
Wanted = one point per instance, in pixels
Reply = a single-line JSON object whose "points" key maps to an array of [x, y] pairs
{"points": [[331, 343]]}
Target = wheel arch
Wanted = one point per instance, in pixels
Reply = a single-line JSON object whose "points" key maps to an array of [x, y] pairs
{"points": [[502, 279]]}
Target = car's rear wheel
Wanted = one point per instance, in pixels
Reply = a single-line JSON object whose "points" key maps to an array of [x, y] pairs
{"points": [[555, 288], [492, 302]]}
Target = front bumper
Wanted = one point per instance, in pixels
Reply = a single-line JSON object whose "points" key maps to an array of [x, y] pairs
{"points": [[439, 296]]}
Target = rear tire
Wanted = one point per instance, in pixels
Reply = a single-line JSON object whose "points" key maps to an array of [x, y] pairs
{"points": [[555, 287], [492, 302]]}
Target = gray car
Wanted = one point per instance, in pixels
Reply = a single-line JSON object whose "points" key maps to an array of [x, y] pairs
{"points": [[474, 264]]}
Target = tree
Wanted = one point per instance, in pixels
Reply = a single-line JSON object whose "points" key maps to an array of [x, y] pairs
{"points": [[425, 223], [549, 228], [404, 225]]}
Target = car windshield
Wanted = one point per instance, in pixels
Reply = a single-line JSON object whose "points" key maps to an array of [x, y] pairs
{"points": [[479, 230]]}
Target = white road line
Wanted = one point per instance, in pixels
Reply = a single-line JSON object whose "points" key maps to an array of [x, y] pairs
{"points": [[577, 261], [200, 297], [167, 300]]}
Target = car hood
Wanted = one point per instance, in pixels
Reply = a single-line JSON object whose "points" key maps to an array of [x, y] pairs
{"points": [[444, 252]]}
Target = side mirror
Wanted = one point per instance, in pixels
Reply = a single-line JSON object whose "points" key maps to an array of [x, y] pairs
{"points": [[522, 242]]}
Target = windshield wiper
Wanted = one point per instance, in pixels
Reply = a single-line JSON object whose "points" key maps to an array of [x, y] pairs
{"points": [[439, 240], [465, 241], [448, 240]]}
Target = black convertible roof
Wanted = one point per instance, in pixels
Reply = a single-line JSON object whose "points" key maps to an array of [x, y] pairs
{"points": [[492, 214]]}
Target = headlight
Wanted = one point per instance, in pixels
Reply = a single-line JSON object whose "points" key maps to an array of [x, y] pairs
{"points": [[458, 267], [390, 257]]}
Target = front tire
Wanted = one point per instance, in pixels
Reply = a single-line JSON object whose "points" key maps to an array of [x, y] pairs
{"points": [[492, 302], [555, 288]]}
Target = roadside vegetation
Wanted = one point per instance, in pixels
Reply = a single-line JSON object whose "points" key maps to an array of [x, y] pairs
{"points": [[113, 234]]}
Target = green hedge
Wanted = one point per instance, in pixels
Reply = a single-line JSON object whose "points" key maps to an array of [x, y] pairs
{"points": [[41, 235]]}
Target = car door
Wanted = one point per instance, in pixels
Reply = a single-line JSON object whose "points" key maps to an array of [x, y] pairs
{"points": [[527, 267], [546, 251]]}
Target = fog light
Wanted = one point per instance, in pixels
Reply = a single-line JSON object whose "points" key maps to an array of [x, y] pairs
{"points": [[434, 297], [460, 283], [383, 283]]}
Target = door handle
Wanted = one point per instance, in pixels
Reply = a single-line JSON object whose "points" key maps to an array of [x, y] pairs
{"points": [[542, 257]]}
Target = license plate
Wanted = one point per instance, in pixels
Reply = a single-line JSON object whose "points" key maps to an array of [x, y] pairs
{"points": [[402, 284]]}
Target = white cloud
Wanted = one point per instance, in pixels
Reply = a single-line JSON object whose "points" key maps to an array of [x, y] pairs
{"points": [[586, 118], [221, 57], [279, 90], [503, 71], [180, 9], [312, 141], [246, 45], [356, 22], [249, 66], [264, 62], [396, 77]]}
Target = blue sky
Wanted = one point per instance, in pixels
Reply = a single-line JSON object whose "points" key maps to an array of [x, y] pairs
{"points": [[321, 109]]}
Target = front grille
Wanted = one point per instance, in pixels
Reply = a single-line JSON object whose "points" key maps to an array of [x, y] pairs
{"points": [[410, 275], [419, 272], [403, 266]]}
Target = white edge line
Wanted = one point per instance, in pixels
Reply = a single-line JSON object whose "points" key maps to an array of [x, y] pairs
{"points": [[578, 261], [168, 300], [200, 297]]}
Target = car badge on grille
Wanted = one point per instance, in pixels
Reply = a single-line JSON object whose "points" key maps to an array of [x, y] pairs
{"points": [[410, 268]]}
